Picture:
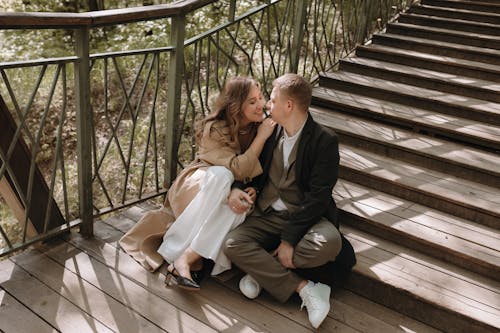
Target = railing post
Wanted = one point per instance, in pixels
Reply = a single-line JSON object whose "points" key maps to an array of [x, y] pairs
{"points": [[232, 10], [175, 75], [298, 34], [83, 127]]}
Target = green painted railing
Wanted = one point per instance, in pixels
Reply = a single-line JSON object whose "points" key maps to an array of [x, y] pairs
{"points": [[109, 130]]}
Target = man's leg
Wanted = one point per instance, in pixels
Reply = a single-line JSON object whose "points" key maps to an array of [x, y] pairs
{"points": [[247, 247], [321, 244]]}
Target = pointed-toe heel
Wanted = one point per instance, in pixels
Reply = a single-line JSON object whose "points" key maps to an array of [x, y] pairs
{"points": [[173, 277]]}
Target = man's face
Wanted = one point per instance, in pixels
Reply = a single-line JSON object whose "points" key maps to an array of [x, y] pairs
{"points": [[277, 106]]}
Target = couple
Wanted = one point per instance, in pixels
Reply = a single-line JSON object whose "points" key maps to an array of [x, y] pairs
{"points": [[275, 174]]}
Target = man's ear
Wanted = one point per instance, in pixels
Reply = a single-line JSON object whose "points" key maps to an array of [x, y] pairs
{"points": [[289, 105]]}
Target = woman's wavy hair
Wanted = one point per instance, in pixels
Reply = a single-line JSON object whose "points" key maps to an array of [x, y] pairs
{"points": [[228, 105]]}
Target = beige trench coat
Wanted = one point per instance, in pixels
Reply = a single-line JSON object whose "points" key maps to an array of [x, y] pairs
{"points": [[216, 148]]}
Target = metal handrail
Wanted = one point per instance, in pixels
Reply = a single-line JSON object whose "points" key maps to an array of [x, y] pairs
{"points": [[41, 20]]}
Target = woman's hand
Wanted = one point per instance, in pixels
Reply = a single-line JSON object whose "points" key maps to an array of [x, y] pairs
{"points": [[239, 201], [266, 128], [252, 192]]}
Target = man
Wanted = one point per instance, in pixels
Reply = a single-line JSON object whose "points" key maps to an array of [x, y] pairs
{"points": [[294, 221]]}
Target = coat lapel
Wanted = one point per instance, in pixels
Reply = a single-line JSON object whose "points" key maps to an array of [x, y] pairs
{"points": [[303, 143]]}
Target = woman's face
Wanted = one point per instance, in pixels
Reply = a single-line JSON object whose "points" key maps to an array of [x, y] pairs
{"points": [[252, 109]]}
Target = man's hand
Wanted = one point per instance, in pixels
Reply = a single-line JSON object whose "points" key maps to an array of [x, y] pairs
{"points": [[284, 252], [239, 201]]}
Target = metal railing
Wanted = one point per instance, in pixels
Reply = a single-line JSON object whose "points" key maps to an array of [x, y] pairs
{"points": [[116, 132]]}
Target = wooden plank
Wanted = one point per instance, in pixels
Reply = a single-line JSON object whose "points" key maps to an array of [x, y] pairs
{"points": [[453, 153], [446, 223], [214, 312], [88, 297], [342, 318], [146, 310], [16, 318], [391, 221], [371, 317], [355, 312], [466, 193], [426, 278], [432, 96], [45, 302], [404, 113]]}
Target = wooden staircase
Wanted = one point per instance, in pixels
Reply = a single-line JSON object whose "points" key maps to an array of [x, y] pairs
{"points": [[417, 112]]}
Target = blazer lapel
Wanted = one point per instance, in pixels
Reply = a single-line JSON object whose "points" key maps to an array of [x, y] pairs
{"points": [[303, 143]]}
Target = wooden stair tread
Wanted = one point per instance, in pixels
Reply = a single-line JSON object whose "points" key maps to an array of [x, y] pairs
{"points": [[426, 278], [442, 31], [439, 233], [427, 74], [494, 18], [420, 144], [463, 22], [465, 3], [435, 58], [409, 90], [442, 44], [466, 193], [404, 113]]}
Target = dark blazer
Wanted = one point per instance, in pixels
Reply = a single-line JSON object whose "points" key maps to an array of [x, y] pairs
{"points": [[317, 167]]}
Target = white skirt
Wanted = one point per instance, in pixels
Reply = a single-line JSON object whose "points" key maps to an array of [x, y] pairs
{"points": [[205, 222]]}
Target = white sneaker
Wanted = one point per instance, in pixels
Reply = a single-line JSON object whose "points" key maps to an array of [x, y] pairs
{"points": [[249, 287], [316, 298]]}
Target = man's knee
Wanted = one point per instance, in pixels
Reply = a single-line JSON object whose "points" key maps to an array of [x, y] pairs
{"points": [[229, 245], [333, 243]]}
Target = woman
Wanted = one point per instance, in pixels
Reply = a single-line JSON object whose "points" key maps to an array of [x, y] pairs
{"points": [[230, 137]]}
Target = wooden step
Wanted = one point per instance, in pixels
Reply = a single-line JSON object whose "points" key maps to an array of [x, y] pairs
{"points": [[418, 149], [445, 35], [457, 196], [479, 70], [432, 100], [425, 78], [459, 129], [427, 289], [465, 4], [464, 243], [450, 24], [487, 1], [425, 45], [461, 14]]}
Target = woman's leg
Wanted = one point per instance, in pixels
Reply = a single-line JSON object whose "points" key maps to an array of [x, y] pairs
{"points": [[187, 261]]}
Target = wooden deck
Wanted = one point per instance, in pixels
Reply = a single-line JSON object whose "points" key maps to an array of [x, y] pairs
{"points": [[91, 285]]}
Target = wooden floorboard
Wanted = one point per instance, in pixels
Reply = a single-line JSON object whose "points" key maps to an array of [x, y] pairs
{"points": [[47, 303], [15, 317], [91, 285]]}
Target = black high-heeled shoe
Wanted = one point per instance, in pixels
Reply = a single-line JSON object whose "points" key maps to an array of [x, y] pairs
{"points": [[181, 281], [198, 275]]}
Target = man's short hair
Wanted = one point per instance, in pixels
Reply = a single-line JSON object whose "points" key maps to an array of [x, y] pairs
{"points": [[296, 88]]}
